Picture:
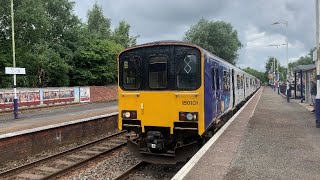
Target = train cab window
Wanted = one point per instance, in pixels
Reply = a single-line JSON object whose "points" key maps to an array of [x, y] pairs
{"points": [[131, 72], [157, 66], [187, 72]]}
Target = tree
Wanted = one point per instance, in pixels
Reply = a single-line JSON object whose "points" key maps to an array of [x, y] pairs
{"points": [[45, 67], [97, 23], [303, 60], [44, 31], [217, 37], [121, 35], [269, 68], [56, 48], [260, 75], [95, 63]]}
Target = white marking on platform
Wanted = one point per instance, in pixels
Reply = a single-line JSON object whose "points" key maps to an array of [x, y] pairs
{"points": [[255, 106], [27, 131], [189, 165]]}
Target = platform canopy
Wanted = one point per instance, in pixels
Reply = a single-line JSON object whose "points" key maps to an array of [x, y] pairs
{"points": [[304, 67]]}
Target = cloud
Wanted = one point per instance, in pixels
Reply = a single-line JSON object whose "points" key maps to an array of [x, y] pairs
{"points": [[166, 19]]}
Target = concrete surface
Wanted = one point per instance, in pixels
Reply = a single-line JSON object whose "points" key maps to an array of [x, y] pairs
{"points": [[279, 141], [42, 117], [215, 162]]}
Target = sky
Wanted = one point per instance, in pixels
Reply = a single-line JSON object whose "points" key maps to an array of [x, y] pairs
{"points": [[155, 20]]}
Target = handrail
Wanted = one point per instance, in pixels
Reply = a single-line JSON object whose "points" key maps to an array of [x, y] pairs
{"points": [[186, 94], [130, 94]]}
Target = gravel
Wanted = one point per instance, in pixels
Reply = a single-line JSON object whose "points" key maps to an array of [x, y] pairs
{"points": [[109, 167], [12, 164], [156, 171]]}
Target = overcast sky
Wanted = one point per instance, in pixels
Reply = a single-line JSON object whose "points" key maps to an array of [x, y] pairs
{"points": [[169, 20]]}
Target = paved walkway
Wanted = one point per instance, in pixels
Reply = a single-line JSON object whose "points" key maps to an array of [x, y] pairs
{"points": [[41, 117], [279, 141]]}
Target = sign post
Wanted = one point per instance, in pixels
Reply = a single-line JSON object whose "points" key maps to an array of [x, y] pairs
{"points": [[15, 100], [15, 71]]}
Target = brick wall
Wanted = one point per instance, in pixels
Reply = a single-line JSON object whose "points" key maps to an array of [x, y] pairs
{"points": [[103, 93], [19, 147]]}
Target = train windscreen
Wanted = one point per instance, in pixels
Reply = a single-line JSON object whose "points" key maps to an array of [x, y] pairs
{"points": [[165, 67]]}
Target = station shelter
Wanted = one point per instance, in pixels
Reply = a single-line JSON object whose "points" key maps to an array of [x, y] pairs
{"points": [[304, 81]]}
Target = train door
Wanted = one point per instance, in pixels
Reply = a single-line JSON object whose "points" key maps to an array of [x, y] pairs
{"points": [[216, 89], [244, 87], [233, 89]]}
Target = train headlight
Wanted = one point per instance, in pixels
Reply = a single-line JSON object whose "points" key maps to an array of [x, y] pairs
{"points": [[188, 116], [129, 114]]}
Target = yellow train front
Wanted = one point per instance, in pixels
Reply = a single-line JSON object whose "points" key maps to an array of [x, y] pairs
{"points": [[173, 94], [160, 99]]}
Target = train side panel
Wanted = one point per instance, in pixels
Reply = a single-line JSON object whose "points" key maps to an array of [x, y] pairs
{"points": [[218, 89]]}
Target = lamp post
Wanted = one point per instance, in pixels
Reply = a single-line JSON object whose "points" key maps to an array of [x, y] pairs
{"points": [[317, 108], [277, 77], [15, 100], [288, 89], [274, 74]]}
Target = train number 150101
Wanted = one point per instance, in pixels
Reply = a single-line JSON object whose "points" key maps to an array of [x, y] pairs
{"points": [[189, 103]]}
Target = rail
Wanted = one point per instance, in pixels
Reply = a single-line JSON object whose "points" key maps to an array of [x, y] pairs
{"points": [[45, 164]]}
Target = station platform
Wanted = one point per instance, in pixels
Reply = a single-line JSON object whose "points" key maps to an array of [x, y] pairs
{"points": [[30, 119], [267, 139]]}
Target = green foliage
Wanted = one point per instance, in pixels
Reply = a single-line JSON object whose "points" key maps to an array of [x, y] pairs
{"points": [[260, 75], [97, 23], [95, 63], [39, 26], [270, 68], [217, 37], [121, 35], [46, 67], [303, 60], [56, 48]]}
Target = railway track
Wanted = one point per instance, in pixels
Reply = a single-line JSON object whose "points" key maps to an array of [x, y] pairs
{"points": [[60, 164], [132, 170]]}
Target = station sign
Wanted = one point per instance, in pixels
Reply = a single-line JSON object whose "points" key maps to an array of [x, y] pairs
{"points": [[12, 70]]}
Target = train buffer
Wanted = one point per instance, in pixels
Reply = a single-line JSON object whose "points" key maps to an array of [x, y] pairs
{"points": [[269, 139]]}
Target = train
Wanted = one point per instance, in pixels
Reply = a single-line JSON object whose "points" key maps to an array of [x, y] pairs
{"points": [[173, 96]]}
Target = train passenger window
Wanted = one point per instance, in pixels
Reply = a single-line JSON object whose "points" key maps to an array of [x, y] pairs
{"points": [[217, 79], [241, 82], [213, 79], [158, 72], [238, 81], [247, 83], [131, 72], [226, 81], [187, 72]]}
